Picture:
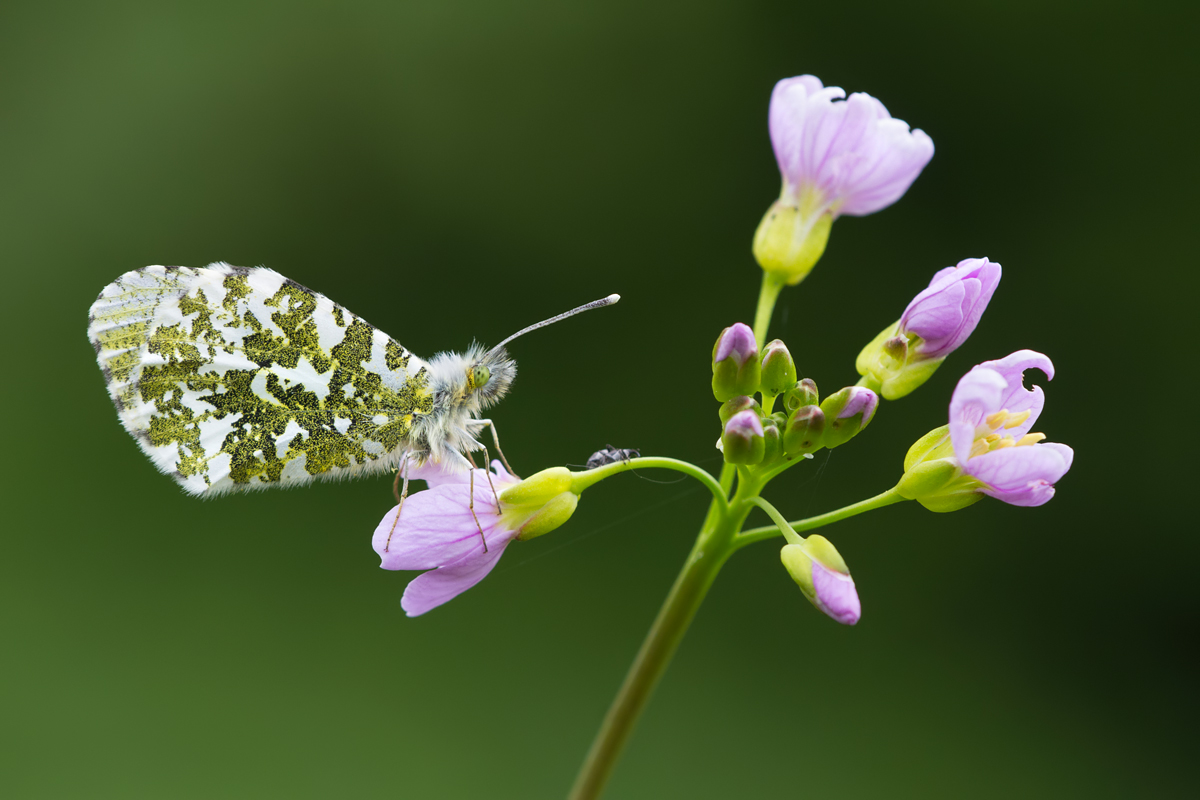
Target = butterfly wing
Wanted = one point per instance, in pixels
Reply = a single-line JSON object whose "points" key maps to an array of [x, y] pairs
{"points": [[233, 378]]}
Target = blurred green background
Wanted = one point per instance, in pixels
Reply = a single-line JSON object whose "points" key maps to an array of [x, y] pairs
{"points": [[451, 170]]}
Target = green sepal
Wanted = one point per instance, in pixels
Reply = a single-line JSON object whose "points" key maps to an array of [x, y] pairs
{"points": [[550, 516], [935, 444], [798, 561], [804, 431], [737, 404], [839, 430], [772, 441], [938, 484], [789, 243], [778, 372], [747, 450], [910, 378], [538, 488], [804, 393], [730, 380], [893, 364]]}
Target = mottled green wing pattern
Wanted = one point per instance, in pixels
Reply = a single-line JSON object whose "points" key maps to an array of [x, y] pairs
{"points": [[233, 378]]}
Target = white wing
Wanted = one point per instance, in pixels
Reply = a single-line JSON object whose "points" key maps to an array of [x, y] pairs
{"points": [[233, 378]]}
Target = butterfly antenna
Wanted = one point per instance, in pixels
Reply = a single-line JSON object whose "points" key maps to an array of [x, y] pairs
{"points": [[607, 301]]}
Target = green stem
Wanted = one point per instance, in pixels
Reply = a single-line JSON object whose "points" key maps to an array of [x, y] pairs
{"points": [[713, 546], [782, 524], [771, 286], [771, 531], [583, 480]]}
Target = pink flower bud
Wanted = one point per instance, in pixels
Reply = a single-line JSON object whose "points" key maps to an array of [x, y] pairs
{"points": [[946, 313]]}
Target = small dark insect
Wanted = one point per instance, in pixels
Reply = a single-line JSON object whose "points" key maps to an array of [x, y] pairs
{"points": [[611, 455]]}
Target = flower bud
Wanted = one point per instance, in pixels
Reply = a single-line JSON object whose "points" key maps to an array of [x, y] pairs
{"points": [[772, 440], [778, 369], [735, 363], [938, 320], [735, 404], [803, 393], [846, 413], [742, 442], [538, 488], [789, 241], [821, 573], [804, 430], [551, 515]]}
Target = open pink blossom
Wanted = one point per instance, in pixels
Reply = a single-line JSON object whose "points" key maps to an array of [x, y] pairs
{"points": [[945, 313], [437, 532], [991, 413], [836, 156], [843, 156]]}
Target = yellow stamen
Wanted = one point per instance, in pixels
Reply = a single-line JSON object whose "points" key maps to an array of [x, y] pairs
{"points": [[996, 420], [978, 448], [1031, 438], [1016, 419], [991, 437], [1003, 443]]}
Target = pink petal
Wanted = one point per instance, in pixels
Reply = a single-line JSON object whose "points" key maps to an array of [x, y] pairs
{"points": [[1017, 398], [1023, 476], [436, 527], [976, 396], [431, 589], [836, 594]]}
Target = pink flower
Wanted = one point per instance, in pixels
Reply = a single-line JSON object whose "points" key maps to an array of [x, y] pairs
{"points": [[850, 154], [836, 157], [946, 313], [991, 413], [437, 532]]}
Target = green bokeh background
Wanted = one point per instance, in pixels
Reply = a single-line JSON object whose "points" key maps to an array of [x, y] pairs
{"points": [[452, 170]]}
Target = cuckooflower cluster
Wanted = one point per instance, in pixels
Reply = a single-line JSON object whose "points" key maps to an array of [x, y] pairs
{"points": [[836, 155]]}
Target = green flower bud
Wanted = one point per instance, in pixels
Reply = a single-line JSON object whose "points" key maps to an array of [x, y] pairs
{"points": [[778, 369], [735, 363], [804, 431], [735, 404], [789, 242], [846, 413], [772, 441], [551, 515], [742, 440], [802, 394]]}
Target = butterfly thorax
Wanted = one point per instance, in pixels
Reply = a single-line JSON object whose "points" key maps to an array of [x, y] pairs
{"points": [[459, 397]]}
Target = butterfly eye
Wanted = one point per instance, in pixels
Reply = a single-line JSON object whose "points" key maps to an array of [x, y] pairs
{"points": [[478, 377]]}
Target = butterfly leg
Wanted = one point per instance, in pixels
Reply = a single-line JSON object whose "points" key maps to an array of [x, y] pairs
{"points": [[400, 495], [496, 441], [471, 505]]}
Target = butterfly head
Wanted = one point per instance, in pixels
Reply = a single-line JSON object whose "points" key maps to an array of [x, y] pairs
{"points": [[489, 374]]}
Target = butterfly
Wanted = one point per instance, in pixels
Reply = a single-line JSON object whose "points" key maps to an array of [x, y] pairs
{"points": [[235, 378]]}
